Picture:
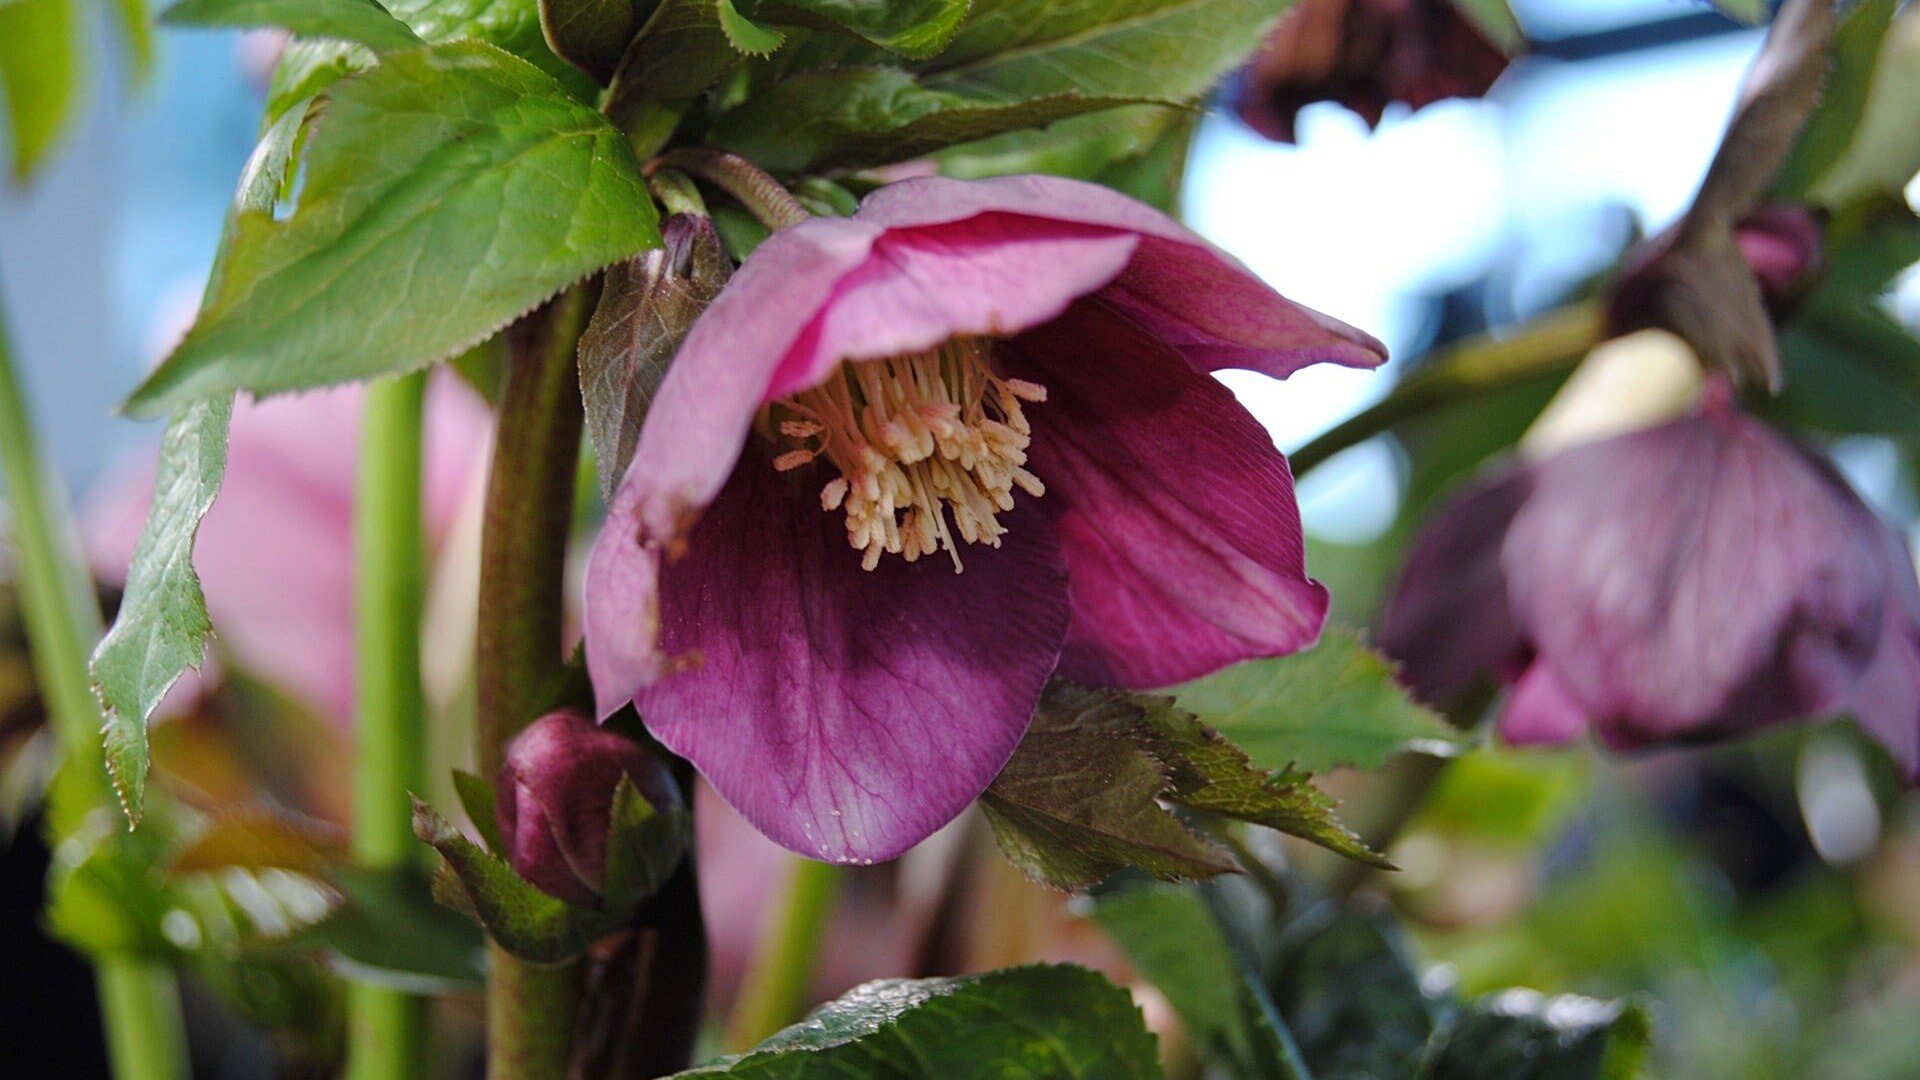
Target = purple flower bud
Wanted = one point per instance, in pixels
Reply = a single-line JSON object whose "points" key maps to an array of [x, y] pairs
{"points": [[1699, 579], [1365, 54], [556, 799], [1781, 244]]}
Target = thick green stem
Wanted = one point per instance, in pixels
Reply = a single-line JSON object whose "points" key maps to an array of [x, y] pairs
{"points": [[531, 1010], [1552, 342], [388, 1029], [139, 1000], [777, 981]]}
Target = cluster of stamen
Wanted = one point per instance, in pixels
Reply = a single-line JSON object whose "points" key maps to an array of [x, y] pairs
{"points": [[917, 440]]}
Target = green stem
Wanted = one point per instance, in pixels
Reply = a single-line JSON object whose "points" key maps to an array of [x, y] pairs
{"points": [[1552, 342], [388, 1028], [531, 1009], [781, 974], [139, 1000]]}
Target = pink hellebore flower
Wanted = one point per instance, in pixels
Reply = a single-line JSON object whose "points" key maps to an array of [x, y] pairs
{"points": [[1699, 579], [1008, 376]]}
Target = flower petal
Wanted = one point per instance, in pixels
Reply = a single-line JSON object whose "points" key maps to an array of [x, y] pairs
{"points": [[732, 362], [1176, 513], [848, 714], [1188, 292], [1447, 621], [1695, 578], [1539, 712], [1887, 700]]}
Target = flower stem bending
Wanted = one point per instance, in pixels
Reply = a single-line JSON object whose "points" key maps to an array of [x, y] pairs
{"points": [[389, 1029], [139, 999], [776, 984], [531, 1009], [760, 193]]}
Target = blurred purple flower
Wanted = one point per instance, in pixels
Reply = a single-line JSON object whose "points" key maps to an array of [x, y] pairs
{"points": [[275, 553], [1365, 54], [1699, 579], [555, 800], [1010, 375]]}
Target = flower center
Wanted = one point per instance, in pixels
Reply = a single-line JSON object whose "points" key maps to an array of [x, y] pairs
{"points": [[916, 440]]}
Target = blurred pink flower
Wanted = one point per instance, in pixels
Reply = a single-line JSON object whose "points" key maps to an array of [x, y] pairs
{"points": [[275, 553], [1699, 579]]}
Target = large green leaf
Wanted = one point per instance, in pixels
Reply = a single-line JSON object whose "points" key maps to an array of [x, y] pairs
{"points": [[912, 28], [361, 21], [39, 77], [1171, 935], [1080, 799], [1029, 1023], [162, 626], [1350, 994], [1526, 1035], [592, 34], [1835, 121], [1884, 154], [1335, 704], [1013, 65], [683, 50], [449, 190]]}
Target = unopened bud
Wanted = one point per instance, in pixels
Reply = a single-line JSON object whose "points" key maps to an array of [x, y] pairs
{"points": [[555, 801]]}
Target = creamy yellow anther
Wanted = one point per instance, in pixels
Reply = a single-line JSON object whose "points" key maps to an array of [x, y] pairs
{"points": [[917, 441]]}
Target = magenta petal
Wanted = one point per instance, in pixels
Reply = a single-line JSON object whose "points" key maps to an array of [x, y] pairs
{"points": [[1189, 293], [621, 613], [849, 714], [1176, 512], [1447, 621], [732, 362], [1539, 712], [989, 276], [1219, 315], [1694, 579], [1887, 700]]}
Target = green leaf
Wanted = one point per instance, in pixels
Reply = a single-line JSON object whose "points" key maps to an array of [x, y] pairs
{"points": [[1494, 18], [1079, 799], [867, 116], [162, 626], [524, 921], [513, 25], [1028, 1023], [916, 29], [478, 799], [1525, 1035], [136, 31], [1171, 935], [745, 35], [1013, 65], [389, 931], [1080, 147], [1751, 12], [1836, 120], [1205, 772], [1350, 994], [645, 844], [646, 307], [682, 51], [1335, 704], [1884, 154], [593, 34], [361, 21], [39, 78], [449, 190]]}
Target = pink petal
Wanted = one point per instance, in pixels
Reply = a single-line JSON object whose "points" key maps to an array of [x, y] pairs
{"points": [[1447, 620], [1182, 538], [1540, 712], [848, 714], [1694, 579], [1887, 700], [1188, 292], [732, 362]]}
